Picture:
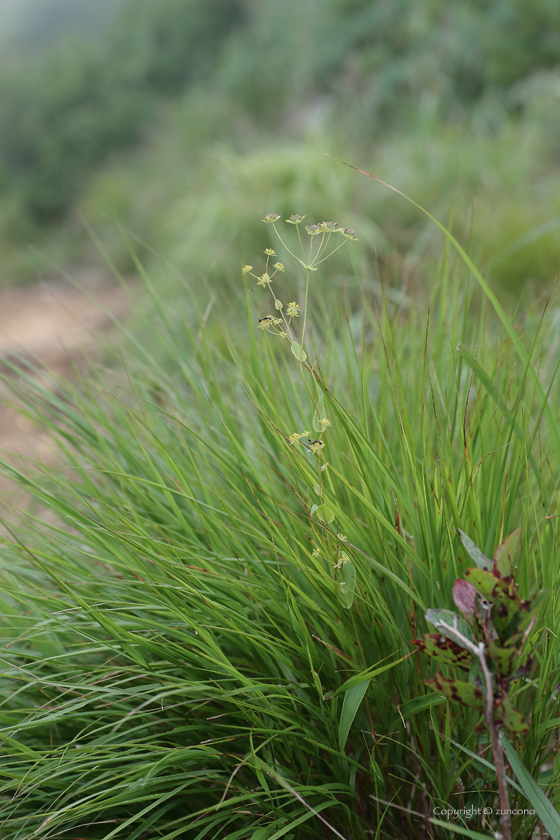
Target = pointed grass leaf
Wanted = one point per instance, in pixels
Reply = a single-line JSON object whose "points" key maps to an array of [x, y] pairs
{"points": [[420, 704], [299, 352], [350, 706], [458, 691], [506, 554], [547, 813], [476, 554], [324, 514], [375, 769], [464, 832]]}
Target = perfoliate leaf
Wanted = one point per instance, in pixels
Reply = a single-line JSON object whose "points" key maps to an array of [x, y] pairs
{"points": [[481, 561], [324, 514], [313, 509], [506, 554], [346, 596], [435, 617], [349, 575], [461, 692], [445, 651], [299, 352], [506, 715], [464, 595]]}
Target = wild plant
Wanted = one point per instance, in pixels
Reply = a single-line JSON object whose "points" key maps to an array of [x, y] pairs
{"points": [[210, 635]]}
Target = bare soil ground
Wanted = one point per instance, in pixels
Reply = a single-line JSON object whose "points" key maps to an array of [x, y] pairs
{"points": [[57, 325]]}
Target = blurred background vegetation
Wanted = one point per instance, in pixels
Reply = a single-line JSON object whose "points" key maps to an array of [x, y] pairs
{"points": [[187, 120]]}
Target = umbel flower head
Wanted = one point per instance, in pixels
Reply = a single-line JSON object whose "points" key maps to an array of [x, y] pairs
{"points": [[295, 220], [293, 310], [316, 446], [271, 218]]}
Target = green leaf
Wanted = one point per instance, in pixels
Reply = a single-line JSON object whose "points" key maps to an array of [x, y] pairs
{"points": [[299, 352], [460, 692], [548, 815], [444, 650], [476, 554], [349, 575], [506, 554], [350, 706], [374, 768], [466, 832], [368, 674], [504, 658], [420, 704], [324, 514], [435, 617], [508, 716], [346, 596]]}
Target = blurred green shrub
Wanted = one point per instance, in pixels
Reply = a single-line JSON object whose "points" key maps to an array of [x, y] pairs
{"points": [[79, 102]]}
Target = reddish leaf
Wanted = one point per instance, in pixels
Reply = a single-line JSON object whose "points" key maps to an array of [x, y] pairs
{"points": [[464, 595]]}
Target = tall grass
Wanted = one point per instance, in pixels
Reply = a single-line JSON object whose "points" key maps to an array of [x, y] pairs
{"points": [[178, 660]]}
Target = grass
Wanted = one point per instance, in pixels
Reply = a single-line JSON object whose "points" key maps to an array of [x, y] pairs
{"points": [[179, 655]]}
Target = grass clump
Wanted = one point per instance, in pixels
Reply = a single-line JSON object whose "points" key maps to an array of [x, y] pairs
{"points": [[211, 635]]}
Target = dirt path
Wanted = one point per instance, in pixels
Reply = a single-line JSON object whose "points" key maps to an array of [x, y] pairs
{"points": [[55, 323]]}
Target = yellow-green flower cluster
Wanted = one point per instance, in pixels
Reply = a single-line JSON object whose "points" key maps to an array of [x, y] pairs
{"points": [[269, 321], [264, 280], [297, 436], [293, 310], [316, 446]]}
